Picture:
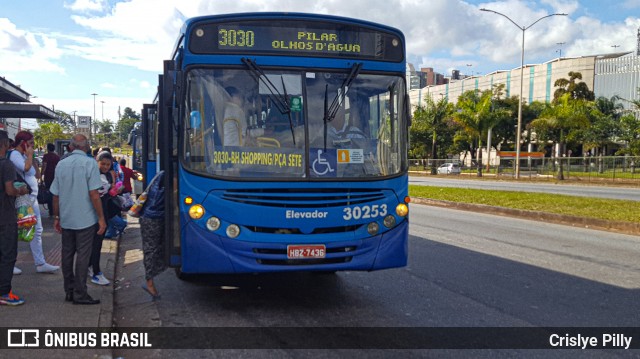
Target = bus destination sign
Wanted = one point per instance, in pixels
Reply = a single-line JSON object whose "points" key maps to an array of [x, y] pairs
{"points": [[299, 39]]}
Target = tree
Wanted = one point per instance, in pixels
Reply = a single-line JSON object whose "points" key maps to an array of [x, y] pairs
{"points": [[65, 120], [578, 90], [475, 117], [564, 115], [129, 113], [428, 121], [48, 133], [630, 133], [126, 123], [630, 130], [604, 116]]}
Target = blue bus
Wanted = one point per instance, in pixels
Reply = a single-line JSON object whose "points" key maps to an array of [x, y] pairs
{"points": [[283, 137]]}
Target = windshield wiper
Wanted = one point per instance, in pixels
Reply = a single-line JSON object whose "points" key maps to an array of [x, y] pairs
{"points": [[278, 99], [284, 88], [331, 111]]}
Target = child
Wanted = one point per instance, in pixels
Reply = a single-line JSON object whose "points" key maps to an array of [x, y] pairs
{"points": [[105, 164]]}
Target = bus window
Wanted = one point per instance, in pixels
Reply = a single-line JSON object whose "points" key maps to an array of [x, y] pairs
{"points": [[238, 124]]}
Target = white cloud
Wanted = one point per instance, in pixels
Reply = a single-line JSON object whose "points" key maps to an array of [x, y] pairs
{"points": [[141, 33], [22, 50], [86, 5], [442, 34], [631, 4]]}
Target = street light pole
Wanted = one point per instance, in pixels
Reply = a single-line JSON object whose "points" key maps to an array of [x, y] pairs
{"points": [[523, 28], [94, 116], [102, 110], [560, 49], [75, 124]]}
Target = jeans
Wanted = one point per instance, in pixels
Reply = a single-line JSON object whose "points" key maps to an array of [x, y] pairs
{"points": [[36, 243]]}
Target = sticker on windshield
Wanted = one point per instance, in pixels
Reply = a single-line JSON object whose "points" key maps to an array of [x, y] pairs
{"points": [[323, 163], [350, 156]]}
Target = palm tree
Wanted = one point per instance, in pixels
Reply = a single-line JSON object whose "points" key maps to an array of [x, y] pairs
{"points": [[432, 118], [578, 90], [563, 116], [474, 115]]}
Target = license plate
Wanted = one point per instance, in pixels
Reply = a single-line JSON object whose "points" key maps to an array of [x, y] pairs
{"points": [[306, 251]]}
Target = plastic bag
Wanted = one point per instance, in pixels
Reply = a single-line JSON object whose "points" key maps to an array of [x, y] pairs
{"points": [[26, 234], [135, 210], [128, 201], [26, 218]]}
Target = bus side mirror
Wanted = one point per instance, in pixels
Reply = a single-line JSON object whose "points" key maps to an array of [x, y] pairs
{"points": [[195, 119]]}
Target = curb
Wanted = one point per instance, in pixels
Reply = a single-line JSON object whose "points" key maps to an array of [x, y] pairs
{"points": [[106, 297], [590, 223]]}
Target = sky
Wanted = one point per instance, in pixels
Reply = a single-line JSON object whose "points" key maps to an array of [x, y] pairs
{"points": [[63, 51]]}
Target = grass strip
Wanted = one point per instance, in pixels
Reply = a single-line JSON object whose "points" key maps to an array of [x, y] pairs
{"points": [[600, 208]]}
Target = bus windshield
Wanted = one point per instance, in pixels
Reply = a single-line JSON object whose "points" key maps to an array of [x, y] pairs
{"points": [[292, 125]]}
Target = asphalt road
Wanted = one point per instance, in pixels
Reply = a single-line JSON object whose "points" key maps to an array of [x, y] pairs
{"points": [[465, 270], [628, 193]]}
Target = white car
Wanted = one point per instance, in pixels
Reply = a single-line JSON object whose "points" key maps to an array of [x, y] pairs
{"points": [[449, 169]]}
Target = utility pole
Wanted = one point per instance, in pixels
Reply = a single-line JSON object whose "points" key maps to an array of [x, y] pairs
{"points": [[94, 117]]}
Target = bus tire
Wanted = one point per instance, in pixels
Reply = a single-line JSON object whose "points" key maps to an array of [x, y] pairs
{"points": [[184, 276]]}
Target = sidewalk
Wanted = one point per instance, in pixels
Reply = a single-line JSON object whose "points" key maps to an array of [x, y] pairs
{"points": [[43, 293]]}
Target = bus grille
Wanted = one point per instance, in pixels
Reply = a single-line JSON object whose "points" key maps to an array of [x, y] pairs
{"points": [[302, 262], [293, 198], [294, 262], [323, 230]]}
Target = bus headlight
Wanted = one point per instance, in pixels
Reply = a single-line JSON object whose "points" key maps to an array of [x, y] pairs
{"points": [[196, 211], [233, 231], [213, 223], [389, 221], [373, 228], [402, 209]]}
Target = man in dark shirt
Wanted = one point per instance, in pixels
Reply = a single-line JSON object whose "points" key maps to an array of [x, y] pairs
{"points": [[49, 162], [8, 224]]}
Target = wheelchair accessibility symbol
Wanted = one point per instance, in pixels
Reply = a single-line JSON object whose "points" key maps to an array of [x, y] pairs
{"points": [[323, 163]]}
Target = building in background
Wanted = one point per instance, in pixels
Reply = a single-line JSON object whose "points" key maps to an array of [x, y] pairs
{"points": [[608, 75], [619, 76]]}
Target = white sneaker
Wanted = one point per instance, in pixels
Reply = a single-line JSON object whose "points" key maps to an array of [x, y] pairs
{"points": [[46, 268], [99, 279], [17, 271]]}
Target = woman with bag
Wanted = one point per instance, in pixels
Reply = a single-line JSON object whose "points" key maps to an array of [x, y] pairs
{"points": [[152, 230], [22, 158]]}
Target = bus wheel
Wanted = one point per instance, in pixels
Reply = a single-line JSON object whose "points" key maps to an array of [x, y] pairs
{"points": [[184, 276]]}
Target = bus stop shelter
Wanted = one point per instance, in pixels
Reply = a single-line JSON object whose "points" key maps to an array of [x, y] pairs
{"points": [[14, 103]]}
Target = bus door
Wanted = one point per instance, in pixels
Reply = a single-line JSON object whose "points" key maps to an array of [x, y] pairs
{"points": [[148, 143], [137, 159], [168, 129]]}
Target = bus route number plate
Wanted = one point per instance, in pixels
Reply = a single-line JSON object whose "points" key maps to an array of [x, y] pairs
{"points": [[301, 251]]}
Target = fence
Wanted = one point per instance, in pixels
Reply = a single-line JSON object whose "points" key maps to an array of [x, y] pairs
{"points": [[618, 169]]}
